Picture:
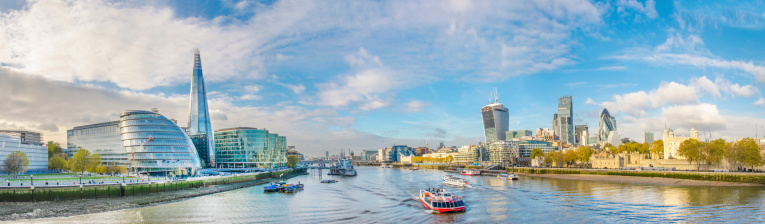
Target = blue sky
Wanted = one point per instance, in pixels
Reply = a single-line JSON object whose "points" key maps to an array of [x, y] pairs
{"points": [[368, 74]]}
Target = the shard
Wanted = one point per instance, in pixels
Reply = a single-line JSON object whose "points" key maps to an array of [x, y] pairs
{"points": [[200, 129]]}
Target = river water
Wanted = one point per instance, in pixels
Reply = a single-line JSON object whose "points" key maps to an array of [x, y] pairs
{"points": [[385, 195]]}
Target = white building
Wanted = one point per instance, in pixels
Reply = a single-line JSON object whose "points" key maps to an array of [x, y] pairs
{"points": [[615, 138], [37, 153]]}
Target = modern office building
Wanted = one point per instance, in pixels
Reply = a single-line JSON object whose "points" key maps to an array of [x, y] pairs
{"points": [[244, 147], [496, 120], [25, 136], [104, 139], [580, 136], [501, 152], [155, 144], [369, 154], [646, 137], [518, 134], [394, 153], [565, 120], [480, 153], [606, 126], [142, 141], [526, 147], [199, 128], [36, 152]]}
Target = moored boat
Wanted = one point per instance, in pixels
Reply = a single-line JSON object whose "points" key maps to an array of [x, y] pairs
{"points": [[441, 201], [292, 188], [452, 170], [328, 181], [274, 187], [456, 181], [415, 168], [510, 176], [343, 167], [471, 172]]}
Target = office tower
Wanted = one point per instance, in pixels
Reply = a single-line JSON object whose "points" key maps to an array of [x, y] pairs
{"points": [[199, 128]]}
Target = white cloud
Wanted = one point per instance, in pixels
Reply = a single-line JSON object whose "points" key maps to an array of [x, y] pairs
{"points": [[250, 97], [296, 88], [253, 88], [415, 106], [649, 9], [759, 102], [672, 93]]}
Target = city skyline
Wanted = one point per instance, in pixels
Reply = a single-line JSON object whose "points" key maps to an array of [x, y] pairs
{"points": [[365, 75]]}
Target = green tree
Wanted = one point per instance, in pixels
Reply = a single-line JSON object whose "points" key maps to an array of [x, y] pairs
{"points": [[54, 148], [584, 153], [749, 153], [95, 163], [657, 148], [16, 163], [80, 162], [691, 150], [713, 152], [536, 152], [57, 162], [548, 159], [292, 160]]}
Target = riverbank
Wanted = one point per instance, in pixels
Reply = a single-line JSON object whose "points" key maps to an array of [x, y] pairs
{"points": [[642, 180], [47, 209], [678, 178]]}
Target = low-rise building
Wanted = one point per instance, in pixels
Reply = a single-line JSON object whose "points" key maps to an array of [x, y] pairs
{"points": [[36, 152], [245, 147], [672, 142]]}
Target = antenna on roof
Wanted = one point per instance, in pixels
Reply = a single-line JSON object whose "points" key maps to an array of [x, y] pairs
{"points": [[496, 95]]}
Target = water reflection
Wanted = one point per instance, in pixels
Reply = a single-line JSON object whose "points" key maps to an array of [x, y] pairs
{"points": [[385, 196]]}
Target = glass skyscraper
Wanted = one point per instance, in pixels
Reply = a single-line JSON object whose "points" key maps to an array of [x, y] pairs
{"points": [[199, 128], [496, 121], [565, 120], [156, 144], [606, 126], [249, 147]]}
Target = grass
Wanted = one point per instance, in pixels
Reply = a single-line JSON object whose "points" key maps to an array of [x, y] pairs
{"points": [[727, 177]]}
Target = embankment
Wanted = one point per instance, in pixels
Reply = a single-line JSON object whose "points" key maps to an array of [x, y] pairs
{"points": [[749, 179], [67, 202]]}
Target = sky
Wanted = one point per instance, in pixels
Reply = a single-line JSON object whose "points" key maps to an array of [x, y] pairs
{"points": [[362, 75]]}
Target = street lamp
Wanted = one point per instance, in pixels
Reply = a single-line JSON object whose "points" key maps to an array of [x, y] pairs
{"points": [[31, 180], [80, 179]]}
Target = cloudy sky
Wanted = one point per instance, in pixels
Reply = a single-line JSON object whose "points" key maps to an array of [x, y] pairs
{"points": [[361, 74]]}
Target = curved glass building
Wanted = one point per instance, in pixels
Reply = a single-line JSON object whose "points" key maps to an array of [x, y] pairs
{"points": [[156, 144], [606, 126], [249, 147]]}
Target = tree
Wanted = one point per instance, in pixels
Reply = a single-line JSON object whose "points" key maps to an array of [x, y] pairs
{"points": [[122, 169], [417, 159], [449, 159], [749, 153], [584, 153], [102, 169], [54, 148], [112, 169], [657, 148], [609, 148], [537, 152], [95, 163], [16, 163], [691, 150], [713, 152], [80, 161], [292, 160], [548, 159], [57, 163]]}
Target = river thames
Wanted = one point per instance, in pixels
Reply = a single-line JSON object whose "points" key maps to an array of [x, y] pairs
{"points": [[385, 195]]}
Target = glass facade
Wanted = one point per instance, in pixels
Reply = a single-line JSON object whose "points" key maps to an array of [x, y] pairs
{"points": [[103, 139], [496, 121], [525, 147], [153, 143], [606, 126], [502, 151], [248, 148], [37, 153], [199, 115], [565, 120]]}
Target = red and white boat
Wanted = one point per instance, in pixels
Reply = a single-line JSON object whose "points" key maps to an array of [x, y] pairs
{"points": [[441, 201], [471, 172]]}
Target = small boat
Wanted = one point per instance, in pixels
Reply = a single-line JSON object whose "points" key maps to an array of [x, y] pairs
{"points": [[471, 172], [452, 170], [441, 201], [292, 188], [274, 187], [328, 181], [415, 168], [456, 181], [510, 176], [386, 166]]}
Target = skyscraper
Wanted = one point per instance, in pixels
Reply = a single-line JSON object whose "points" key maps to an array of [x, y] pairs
{"points": [[606, 126], [581, 134], [200, 129], [496, 120], [565, 120]]}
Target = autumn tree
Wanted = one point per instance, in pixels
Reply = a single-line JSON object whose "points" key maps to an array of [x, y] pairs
{"points": [[122, 169], [80, 162], [691, 150], [748, 153], [95, 163], [713, 152], [57, 163], [657, 148]]}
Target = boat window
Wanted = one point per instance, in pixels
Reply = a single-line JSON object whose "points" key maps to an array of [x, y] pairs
{"points": [[436, 204]]}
